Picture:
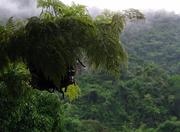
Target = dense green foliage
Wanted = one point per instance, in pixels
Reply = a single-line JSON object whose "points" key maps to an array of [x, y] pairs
{"points": [[48, 44], [144, 98], [155, 40], [25, 109], [61, 35]]}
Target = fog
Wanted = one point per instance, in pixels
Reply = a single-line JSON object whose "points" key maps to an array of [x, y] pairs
{"points": [[28, 8], [18, 8]]}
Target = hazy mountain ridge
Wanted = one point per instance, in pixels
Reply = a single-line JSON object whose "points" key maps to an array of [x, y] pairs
{"points": [[141, 99], [155, 40]]}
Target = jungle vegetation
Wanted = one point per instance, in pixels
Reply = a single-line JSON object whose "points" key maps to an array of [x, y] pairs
{"points": [[116, 92]]}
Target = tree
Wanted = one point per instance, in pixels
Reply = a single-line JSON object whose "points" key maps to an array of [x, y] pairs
{"points": [[52, 42], [26, 109], [173, 126], [175, 84]]}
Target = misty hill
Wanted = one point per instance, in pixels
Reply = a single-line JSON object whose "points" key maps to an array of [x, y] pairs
{"points": [[147, 97], [157, 39]]}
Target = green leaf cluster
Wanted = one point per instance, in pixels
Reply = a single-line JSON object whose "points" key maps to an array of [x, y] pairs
{"points": [[61, 35]]}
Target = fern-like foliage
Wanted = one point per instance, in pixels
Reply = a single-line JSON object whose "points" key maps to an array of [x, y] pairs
{"points": [[61, 35]]}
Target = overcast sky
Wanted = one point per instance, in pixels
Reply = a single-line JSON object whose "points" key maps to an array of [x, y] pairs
{"points": [[17, 8], [168, 5], [27, 8]]}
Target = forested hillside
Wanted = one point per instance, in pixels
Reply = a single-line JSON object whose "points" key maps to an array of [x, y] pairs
{"points": [[146, 96], [155, 40]]}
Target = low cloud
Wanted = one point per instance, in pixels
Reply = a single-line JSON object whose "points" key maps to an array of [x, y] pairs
{"points": [[18, 8]]}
